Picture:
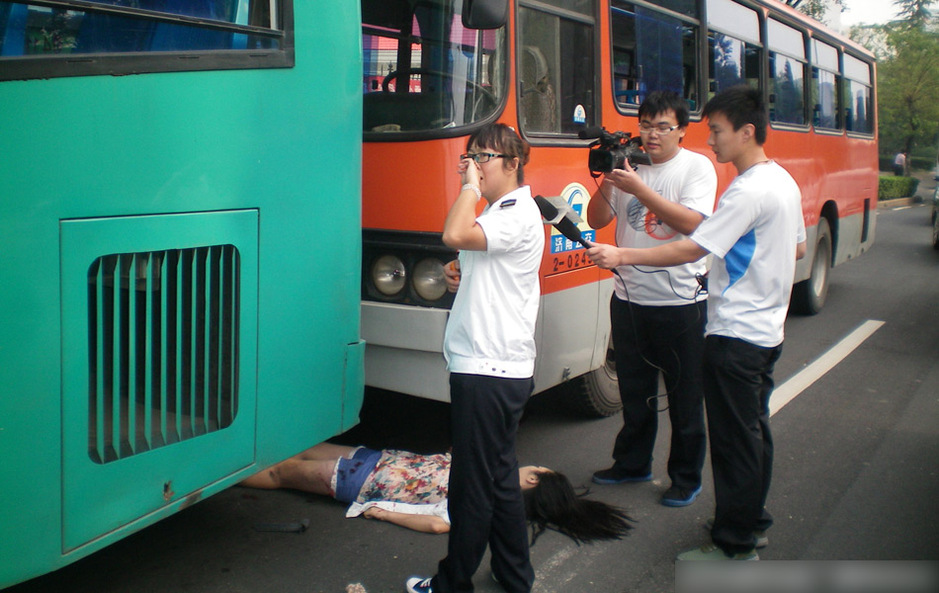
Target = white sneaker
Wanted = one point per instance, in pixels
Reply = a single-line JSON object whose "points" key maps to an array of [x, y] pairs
{"points": [[418, 585]]}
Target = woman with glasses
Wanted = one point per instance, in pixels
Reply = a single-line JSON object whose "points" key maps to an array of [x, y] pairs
{"points": [[489, 346]]}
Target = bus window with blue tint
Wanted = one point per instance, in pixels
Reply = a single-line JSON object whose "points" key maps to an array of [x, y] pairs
{"points": [[644, 52], [858, 96], [424, 71], [786, 73], [733, 46], [824, 89], [120, 39]]}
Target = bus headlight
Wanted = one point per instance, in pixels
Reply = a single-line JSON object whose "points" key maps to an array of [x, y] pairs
{"points": [[429, 281], [389, 275]]}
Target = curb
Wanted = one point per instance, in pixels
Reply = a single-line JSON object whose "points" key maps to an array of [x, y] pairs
{"points": [[881, 204]]}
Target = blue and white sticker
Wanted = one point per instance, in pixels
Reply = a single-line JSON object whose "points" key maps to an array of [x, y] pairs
{"points": [[580, 115], [577, 197]]}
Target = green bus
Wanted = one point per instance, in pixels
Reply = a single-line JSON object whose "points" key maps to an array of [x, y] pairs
{"points": [[180, 251]]}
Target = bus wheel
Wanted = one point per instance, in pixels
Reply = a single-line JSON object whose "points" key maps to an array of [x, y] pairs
{"points": [[596, 394], [808, 296]]}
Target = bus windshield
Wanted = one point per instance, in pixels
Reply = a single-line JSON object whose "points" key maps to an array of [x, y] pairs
{"points": [[424, 70]]}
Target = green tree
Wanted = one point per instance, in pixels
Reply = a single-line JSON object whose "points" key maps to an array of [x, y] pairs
{"points": [[914, 13], [816, 8], [908, 87], [907, 50]]}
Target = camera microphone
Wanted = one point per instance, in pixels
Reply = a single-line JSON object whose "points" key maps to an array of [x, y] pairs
{"points": [[591, 133], [567, 228]]}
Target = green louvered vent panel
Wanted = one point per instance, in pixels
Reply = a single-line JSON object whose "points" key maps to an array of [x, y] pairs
{"points": [[163, 348]]}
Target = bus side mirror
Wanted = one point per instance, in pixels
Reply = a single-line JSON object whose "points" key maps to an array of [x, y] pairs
{"points": [[485, 14]]}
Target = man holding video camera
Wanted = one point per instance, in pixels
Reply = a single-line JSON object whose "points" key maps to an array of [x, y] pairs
{"points": [[658, 315], [756, 235]]}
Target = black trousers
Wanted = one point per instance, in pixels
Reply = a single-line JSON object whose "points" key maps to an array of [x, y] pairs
{"points": [[672, 339], [485, 499], [738, 382]]}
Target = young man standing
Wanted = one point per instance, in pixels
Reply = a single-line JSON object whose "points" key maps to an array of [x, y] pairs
{"points": [[756, 234], [658, 315]]}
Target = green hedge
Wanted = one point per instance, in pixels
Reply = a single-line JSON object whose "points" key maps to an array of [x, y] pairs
{"points": [[922, 163], [892, 187]]}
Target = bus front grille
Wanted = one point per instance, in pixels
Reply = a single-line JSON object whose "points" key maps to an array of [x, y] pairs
{"points": [[163, 348]]}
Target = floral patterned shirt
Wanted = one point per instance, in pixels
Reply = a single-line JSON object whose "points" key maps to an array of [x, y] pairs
{"points": [[406, 477]]}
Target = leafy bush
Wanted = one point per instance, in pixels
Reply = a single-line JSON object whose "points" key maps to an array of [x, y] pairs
{"points": [[892, 187], [923, 163]]}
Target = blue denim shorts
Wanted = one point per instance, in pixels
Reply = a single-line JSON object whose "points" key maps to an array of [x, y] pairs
{"points": [[351, 473]]}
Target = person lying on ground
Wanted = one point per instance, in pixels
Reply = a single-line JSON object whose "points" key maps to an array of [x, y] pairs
{"points": [[410, 490]]}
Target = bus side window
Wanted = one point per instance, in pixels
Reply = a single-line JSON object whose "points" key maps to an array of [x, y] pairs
{"points": [[653, 51], [786, 73], [732, 62], [733, 58], [140, 37], [556, 67], [825, 83], [786, 82], [858, 96], [825, 99]]}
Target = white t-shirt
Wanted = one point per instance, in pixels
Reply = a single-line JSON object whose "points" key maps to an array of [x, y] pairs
{"points": [[753, 234], [688, 179], [491, 329]]}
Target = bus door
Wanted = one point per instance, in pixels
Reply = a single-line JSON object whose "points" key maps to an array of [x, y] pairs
{"points": [[559, 96]]}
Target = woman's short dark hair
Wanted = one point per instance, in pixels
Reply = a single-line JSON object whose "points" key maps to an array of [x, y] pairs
{"points": [[553, 504], [662, 101], [504, 139], [741, 105]]}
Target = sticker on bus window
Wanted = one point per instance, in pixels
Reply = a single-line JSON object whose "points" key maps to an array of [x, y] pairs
{"points": [[580, 115]]}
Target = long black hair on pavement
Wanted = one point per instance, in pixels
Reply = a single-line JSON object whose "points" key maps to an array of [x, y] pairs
{"points": [[553, 504]]}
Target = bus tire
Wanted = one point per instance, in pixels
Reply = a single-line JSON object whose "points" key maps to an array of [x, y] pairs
{"points": [[596, 394], [808, 296]]}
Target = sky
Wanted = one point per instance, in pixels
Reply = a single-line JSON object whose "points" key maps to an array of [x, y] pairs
{"points": [[870, 12]]}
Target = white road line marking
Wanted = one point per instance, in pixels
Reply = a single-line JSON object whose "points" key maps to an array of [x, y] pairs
{"points": [[799, 382], [556, 574]]}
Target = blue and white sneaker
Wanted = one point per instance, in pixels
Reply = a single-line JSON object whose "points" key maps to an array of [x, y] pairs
{"points": [[419, 585]]}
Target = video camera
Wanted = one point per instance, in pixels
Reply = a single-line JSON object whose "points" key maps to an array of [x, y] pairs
{"points": [[610, 151]]}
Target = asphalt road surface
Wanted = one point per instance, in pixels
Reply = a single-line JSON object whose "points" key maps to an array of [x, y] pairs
{"points": [[855, 476]]}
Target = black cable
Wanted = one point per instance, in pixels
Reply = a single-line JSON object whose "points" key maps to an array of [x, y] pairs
{"points": [[651, 402]]}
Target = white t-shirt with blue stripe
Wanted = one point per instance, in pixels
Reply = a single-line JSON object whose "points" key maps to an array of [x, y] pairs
{"points": [[753, 235]]}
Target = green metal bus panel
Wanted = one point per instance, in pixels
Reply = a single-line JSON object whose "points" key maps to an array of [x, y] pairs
{"points": [[134, 470], [191, 239]]}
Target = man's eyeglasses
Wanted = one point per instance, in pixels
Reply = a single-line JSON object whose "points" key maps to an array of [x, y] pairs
{"points": [[662, 129], [482, 157]]}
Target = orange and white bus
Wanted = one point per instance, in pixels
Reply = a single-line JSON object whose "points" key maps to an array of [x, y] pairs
{"points": [[435, 70]]}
